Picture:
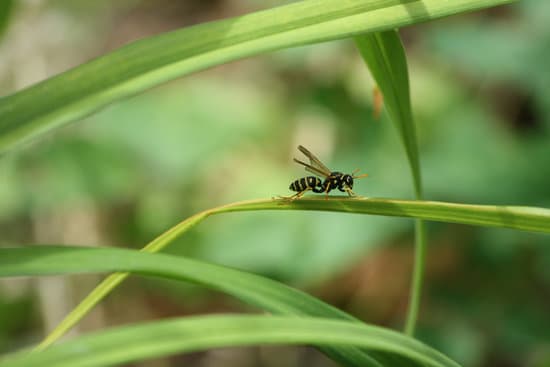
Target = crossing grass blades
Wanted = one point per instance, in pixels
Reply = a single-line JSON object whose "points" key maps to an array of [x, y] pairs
{"points": [[331, 179]]}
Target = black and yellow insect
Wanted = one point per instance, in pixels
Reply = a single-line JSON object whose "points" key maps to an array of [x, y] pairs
{"points": [[332, 179]]}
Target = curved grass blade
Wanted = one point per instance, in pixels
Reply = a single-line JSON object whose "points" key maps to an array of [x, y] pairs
{"points": [[261, 292], [161, 338], [532, 219], [6, 10], [522, 218], [385, 56], [152, 61]]}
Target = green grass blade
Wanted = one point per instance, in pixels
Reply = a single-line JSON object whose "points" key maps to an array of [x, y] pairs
{"points": [[415, 293], [252, 289], [6, 10], [161, 338], [152, 61], [523, 218], [385, 56]]}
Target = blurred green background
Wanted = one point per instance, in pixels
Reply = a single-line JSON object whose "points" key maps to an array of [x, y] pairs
{"points": [[481, 97]]}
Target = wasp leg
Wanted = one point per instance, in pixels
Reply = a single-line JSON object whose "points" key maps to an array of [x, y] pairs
{"points": [[354, 195], [327, 191], [295, 196]]}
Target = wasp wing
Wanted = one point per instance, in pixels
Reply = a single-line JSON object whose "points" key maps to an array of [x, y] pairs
{"points": [[316, 164], [312, 169]]}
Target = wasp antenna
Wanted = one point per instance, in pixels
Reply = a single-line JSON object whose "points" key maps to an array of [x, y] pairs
{"points": [[360, 176]]}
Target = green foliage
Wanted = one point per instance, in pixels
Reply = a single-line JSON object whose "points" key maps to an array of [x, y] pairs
{"points": [[479, 173], [146, 63], [6, 8], [199, 333], [532, 218], [261, 292], [384, 54]]}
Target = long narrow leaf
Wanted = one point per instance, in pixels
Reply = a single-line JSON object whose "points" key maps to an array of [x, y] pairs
{"points": [[385, 56], [149, 62], [516, 217], [6, 10], [255, 290], [161, 338]]}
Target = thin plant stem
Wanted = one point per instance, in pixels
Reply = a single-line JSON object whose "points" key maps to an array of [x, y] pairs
{"points": [[417, 277]]}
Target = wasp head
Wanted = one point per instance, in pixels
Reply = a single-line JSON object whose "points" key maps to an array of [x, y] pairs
{"points": [[348, 181]]}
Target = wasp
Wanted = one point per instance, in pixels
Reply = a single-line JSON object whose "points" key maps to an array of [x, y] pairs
{"points": [[331, 179]]}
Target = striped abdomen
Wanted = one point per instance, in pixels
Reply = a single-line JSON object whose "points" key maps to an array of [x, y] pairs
{"points": [[305, 183]]}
